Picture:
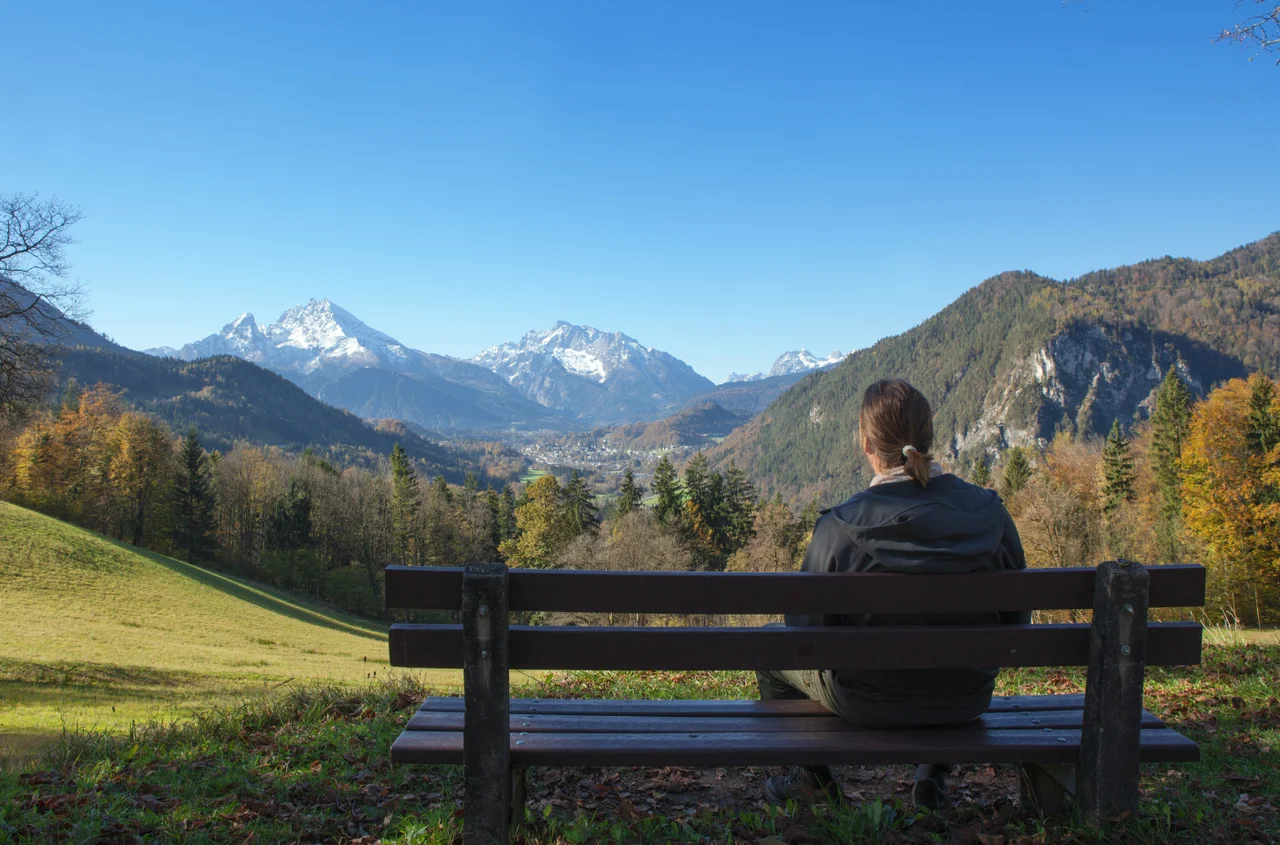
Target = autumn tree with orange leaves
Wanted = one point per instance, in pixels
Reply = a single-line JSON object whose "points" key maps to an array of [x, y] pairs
{"points": [[1231, 494]]}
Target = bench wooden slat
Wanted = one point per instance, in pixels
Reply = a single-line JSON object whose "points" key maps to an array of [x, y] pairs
{"points": [[948, 745], [440, 588], [724, 707], [871, 647], [426, 720]]}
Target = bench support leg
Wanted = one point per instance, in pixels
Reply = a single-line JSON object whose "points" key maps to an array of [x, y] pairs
{"points": [[517, 796], [1110, 744], [486, 749], [1045, 787]]}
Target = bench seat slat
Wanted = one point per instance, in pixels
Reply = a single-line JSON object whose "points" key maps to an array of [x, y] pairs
{"points": [[439, 588], [730, 707], [948, 745], [853, 647], [425, 720]]}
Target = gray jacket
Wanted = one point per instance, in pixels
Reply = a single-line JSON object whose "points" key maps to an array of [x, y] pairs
{"points": [[949, 527]]}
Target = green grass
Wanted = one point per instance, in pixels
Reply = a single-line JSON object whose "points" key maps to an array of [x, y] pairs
{"points": [[532, 475], [311, 766], [97, 634]]}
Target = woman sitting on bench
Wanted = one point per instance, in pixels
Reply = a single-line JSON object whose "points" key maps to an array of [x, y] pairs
{"points": [[916, 519]]}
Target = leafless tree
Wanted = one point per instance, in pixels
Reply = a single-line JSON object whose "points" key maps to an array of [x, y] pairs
{"points": [[35, 293], [1259, 32]]}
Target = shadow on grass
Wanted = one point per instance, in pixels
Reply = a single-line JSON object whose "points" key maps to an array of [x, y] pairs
{"points": [[259, 596]]}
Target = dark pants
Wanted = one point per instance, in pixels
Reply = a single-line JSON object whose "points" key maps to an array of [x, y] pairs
{"points": [[816, 684]]}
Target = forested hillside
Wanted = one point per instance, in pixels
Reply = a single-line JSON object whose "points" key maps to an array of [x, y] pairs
{"points": [[230, 400], [1022, 356]]}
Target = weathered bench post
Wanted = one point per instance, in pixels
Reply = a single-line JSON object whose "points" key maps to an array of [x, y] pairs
{"points": [[1110, 743], [486, 752]]}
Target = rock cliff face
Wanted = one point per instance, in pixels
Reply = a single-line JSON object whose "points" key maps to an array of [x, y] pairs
{"points": [[1083, 379]]}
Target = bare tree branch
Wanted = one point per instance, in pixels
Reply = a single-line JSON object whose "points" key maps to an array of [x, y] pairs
{"points": [[1260, 32], [36, 295]]}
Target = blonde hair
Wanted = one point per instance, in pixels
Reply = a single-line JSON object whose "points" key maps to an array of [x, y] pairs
{"points": [[896, 424]]}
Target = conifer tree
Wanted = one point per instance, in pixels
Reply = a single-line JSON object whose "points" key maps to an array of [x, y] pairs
{"points": [[1017, 472], [1117, 471], [506, 513], [697, 483], [405, 503], [630, 494], [440, 486], [1170, 422], [191, 503], [1263, 427], [666, 486], [580, 505], [739, 509], [981, 472]]}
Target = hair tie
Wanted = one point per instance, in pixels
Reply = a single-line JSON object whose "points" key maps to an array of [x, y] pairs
{"points": [[908, 449]]}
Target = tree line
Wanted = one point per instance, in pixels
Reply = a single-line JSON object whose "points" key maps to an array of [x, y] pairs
{"points": [[1197, 482], [292, 520]]}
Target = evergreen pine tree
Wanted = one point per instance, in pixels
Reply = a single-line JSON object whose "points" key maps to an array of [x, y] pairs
{"points": [[471, 485], [1170, 422], [507, 513], [580, 505], [630, 494], [1263, 431], [697, 482], [1117, 471], [191, 502], [405, 503], [1017, 472], [739, 509], [440, 486], [666, 486], [981, 473]]}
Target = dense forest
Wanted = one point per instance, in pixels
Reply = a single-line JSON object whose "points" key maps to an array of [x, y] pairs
{"points": [[1199, 481], [1022, 357]]}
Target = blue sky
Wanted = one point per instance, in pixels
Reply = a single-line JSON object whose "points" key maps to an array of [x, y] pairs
{"points": [[725, 181]]}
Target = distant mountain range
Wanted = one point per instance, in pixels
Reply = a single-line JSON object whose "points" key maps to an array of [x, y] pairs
{"points": [[334, 356], [790, 364], [1021, 356], [594, 376], [565, 377], [230, 400]]}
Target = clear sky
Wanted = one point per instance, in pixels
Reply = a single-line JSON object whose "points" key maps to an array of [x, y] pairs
{"points": [[725, 181]]}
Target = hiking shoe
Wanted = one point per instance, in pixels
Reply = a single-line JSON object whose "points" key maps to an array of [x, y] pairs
{"points": [[803, 784], [930, 791]]}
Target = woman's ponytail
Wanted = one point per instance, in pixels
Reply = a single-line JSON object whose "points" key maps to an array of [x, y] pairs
{"points": [[917, 464]]}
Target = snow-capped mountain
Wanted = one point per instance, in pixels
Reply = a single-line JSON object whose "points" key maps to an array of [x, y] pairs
{"points": [[594, 375], [336, 357], [791, 363]]}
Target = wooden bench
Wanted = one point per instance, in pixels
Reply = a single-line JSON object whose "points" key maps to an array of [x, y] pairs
{"points": [[1088, 745]]}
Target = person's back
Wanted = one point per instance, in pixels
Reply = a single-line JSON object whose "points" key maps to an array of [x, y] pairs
{"points": [[916, 520]]}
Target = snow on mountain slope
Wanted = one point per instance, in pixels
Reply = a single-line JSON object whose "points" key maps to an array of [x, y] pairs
{"points": [[791, 363], [318, 344], [594, 375]]}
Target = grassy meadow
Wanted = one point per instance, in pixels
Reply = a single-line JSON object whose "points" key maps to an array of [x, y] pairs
{"points": [[98, 635], [310, 765]]}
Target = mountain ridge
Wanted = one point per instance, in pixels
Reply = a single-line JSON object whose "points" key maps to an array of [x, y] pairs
{"points": [[336, 357], [593, 375], [1021, 356]]}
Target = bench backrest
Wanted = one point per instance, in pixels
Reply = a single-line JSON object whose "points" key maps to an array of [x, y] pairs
{"points": [[870, 647]]}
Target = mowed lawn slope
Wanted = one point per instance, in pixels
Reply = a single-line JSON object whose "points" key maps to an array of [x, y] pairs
{"points": [[96, 634]]}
